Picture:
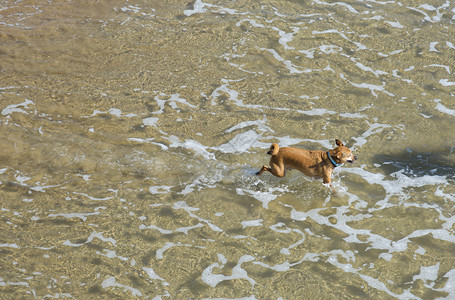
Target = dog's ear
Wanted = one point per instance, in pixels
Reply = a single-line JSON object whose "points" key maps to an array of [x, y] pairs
{"points": [[338, 142]]}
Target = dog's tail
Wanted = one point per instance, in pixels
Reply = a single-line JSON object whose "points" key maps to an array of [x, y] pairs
{"points": [[274, 149]]}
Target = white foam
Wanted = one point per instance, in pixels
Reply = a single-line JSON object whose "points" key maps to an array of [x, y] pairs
{"points": [[309, 53], [21, 178], [374, 240], [346, 267], [317, 112], [3, 88], [259, 123], [283, 267], [198, 7], [377, 284], [375, 128], [183, 205], [345, 5], [150, 121], [19, 108], [202, 7], [395, 24], [166, 231], [112, 111], [111, 254], [147, 141], [193, 145], [211, 279], [446, 82], [242, 142], [279, 228], [8, 245], [111, 282], [330, 49], [399, 184], [252, 223], [286, 141], [293, 69], [93, 235], [251, 21], [362, 67], [447, 68], [442, 108], [353, 115], [263, 197], [330, 31], [420, 250], [22, 283], [286, 37], [429, 273], [82, 216], [228, 56], [427, 7], [234, 96], [206, 179], [372, 87], [94, 198], [85, 177], [131, 8], [43, 188], [173, 101], [441, 193], [161, 189], [153, 276], [449, 287], [433, 47], [167, 246]]}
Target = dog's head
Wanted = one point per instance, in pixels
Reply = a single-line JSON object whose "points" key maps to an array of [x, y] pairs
{"points": [[342, 154], [274, 149]]}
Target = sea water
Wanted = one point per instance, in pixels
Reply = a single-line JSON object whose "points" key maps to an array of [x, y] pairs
{"points": [[130, 133]]}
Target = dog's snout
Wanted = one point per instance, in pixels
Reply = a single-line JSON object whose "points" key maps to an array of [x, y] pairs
{"points": [[352, 158]]}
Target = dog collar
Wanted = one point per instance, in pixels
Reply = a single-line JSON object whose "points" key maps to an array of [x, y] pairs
{"points": [[332, 161]]}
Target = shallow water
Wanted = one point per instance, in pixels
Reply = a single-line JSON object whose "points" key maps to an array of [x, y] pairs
{"points": [[130, 133]]}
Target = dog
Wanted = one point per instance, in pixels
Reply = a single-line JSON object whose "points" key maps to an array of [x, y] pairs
{"points": [[316, 163]]}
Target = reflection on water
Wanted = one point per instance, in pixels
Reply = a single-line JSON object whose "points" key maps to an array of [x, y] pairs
{"points": [[131, 133]]}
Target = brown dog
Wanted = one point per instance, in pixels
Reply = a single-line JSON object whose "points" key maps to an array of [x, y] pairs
{"points": [[311, 163]]}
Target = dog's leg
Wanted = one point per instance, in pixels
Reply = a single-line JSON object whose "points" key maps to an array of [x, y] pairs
{"points": [[327, 177], [328, 182], [263, 169], [277, 170]]}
